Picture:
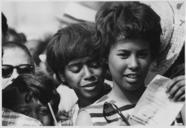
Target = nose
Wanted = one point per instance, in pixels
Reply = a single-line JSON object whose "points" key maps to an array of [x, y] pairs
{"points": [[15, 74], [88, 75], [133, 62]]}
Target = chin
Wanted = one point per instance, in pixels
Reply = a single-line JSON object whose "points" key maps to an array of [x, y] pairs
{"points": [[92, 96], [132, 87]]}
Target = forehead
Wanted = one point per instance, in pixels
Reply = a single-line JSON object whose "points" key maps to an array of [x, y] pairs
{"points": [[33, 104], [15, 56], [131, 45], [80, 60], [21, 97], [32, 43]]}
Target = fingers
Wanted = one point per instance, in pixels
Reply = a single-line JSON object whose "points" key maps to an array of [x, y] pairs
{"points": [[169, 86], [176, 89], [175, 80], [179, 94], [181, 98], [179, 78]]}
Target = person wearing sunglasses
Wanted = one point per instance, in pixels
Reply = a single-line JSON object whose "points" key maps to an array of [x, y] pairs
{"points": [[130, 35], [16, 60]]}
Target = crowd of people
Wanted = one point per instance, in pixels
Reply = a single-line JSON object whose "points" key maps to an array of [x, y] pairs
{"points": [[79, 74]]}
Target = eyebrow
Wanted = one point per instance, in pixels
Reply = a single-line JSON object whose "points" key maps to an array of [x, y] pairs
{"points": [[76, 62], [124, 50], [22, 106], [73, 64], [42, 106]]}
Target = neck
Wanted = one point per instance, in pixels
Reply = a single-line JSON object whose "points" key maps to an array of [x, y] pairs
{"points": [[85, 102], [88, 101], [128, 97]]}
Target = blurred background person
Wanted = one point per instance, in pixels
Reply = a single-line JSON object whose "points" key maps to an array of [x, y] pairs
{"points": [[34, 96], [10, 118], [16, 60], [12, 36], [38, 50]]}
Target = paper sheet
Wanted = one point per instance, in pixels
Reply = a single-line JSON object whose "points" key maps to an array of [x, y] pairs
{"points": [[154, 107]]}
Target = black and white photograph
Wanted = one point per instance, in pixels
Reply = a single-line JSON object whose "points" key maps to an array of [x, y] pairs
{"points": [[93, 63]]}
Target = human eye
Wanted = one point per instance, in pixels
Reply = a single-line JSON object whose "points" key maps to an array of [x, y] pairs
{"points": [[25, 68], [143, 54], [24, 111], [43, 111], [124, 54], [75, 68], [94, 64]]}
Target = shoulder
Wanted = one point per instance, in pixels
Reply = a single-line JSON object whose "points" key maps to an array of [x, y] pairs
{"points": [[83, 118]]}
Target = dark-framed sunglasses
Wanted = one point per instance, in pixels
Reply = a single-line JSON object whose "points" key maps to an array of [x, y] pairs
{"points": [[7, 70], [110, 109]]}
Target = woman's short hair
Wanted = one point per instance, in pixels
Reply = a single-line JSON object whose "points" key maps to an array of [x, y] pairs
{"points": [[128, 20], [74, 41], [13, 35], [17, 45]]}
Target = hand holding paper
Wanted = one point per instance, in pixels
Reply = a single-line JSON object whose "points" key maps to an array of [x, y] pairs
{"points": [[176, 88], [155, 107]]}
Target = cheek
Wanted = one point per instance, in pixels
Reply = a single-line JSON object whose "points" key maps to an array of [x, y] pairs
{"points": [[6, 82], [99, 72], [46, 120], [116, 65], [72, 79], [145, 64]]}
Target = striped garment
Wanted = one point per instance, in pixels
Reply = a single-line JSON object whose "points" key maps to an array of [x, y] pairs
{"points": [[10, 118], [71, 115], [96, 111]]}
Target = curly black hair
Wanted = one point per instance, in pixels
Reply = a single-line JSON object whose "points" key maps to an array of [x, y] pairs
{"points": [[41, 88], [132, 20]]}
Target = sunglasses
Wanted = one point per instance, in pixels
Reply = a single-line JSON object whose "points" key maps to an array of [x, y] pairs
{"points": [[109, 110], [7, 70]]}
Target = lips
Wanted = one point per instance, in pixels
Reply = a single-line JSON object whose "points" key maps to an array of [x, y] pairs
{"points": [[90, 87], [132, 77]]}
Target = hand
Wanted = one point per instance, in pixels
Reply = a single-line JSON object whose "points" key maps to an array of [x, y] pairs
{"points": [[176, 88]]}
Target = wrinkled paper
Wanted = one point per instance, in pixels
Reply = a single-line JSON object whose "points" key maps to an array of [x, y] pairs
{"points": [[154, 106]]}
